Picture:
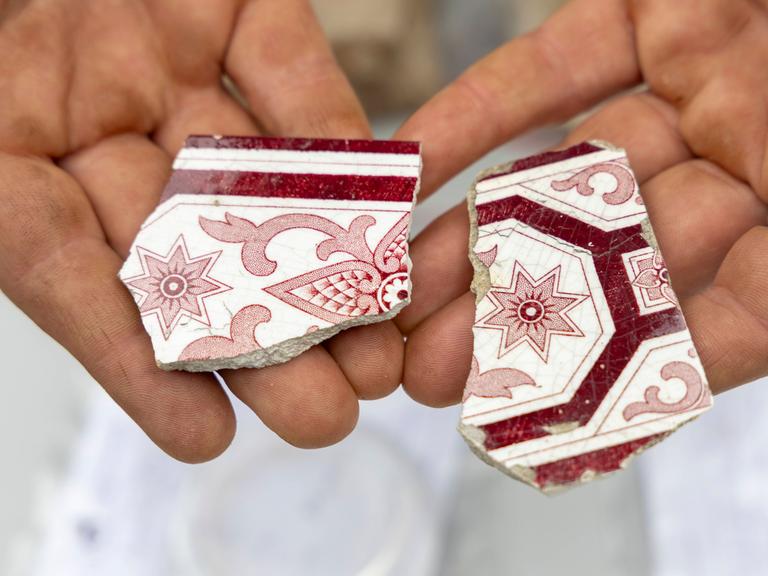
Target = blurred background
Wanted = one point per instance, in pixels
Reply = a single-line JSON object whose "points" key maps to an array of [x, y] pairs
{"points": [[83, 492]]}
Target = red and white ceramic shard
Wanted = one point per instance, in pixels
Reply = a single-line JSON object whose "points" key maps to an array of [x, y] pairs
{"points": [[582, 357], [263, 247]]}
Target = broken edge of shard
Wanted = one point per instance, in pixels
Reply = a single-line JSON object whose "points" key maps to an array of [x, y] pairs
{"points": [[284, 351], [588, 380], [264, 247]]}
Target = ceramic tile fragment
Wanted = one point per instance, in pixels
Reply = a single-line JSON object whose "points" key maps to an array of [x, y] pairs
{"points": [[263, 247], [582, 357]]}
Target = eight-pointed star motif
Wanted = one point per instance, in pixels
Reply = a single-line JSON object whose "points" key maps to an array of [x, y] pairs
{"points": [[531, 311], [175, 285]]}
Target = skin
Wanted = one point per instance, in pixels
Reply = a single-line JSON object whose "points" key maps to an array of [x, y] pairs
{"points": [[683, 86], [97, 95]]}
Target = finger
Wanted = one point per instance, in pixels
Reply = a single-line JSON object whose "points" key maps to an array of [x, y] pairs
{"points": [[371, 358], [729, 321], [56, 266], [306, 401], [282, 63], [438, 354], [203, 110], [644, 125], [640, 123], [686, 199], [698, 211], [716, 74], [727, 122], [582, 54], [123, 177], [195, 35], [441, 268]]}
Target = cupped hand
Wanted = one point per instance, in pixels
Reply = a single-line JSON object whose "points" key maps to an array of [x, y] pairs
{"points": [[95, 98], [684, 88]]}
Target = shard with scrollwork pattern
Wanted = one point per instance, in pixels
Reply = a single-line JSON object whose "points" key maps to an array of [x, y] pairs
{"points": [[263, 247]]}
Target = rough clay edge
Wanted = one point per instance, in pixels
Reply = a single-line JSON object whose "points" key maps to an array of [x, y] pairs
{"points": [[289, 349], [475, 438], [481, 282], [282, 352]]}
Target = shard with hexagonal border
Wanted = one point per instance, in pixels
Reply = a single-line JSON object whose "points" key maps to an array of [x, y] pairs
{"points": [[582, 357]]}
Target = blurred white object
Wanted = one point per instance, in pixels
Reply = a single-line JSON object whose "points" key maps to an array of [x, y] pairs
{"points": [[361, 508], [707, 491], [357, 508], [40, 418]]}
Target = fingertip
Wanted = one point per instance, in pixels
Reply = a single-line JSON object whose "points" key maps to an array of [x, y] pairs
{"points": [[201, 437], [432, 397], [438, 355], [321, 431], [190, 417], [307, 401], [371, 358]]}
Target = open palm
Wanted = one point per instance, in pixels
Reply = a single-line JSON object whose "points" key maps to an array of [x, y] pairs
{"points": [[95, 98], [695, 125]]}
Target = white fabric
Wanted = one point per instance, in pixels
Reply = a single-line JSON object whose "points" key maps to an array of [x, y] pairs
{"points": [[706, 491], [126, 509]]}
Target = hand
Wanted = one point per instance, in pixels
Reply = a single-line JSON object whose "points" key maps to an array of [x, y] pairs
{"points": [[697, 137], [95, 98]]}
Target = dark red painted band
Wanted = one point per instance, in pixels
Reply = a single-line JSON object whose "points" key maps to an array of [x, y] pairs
{"points": [[304, 144], [563, 226], [279, 185], [547, 158], [570, 470], [631, 328]]}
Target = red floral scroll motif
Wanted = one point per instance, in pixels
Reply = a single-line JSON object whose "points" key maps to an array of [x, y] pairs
{"points": [[694, 393], [496, 383], [242, 337], [255, 238], [625, 182], [654, 279], [389, 256], [374, 281], [488, 257]]}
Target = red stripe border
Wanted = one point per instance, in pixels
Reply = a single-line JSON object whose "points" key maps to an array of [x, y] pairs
{"points": [[603, 461], [547, 158], [284, 185], [303, 144]]}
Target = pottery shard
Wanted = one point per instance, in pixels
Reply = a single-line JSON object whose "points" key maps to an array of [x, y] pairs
{"points": [[263, 247], [582, 358]]}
